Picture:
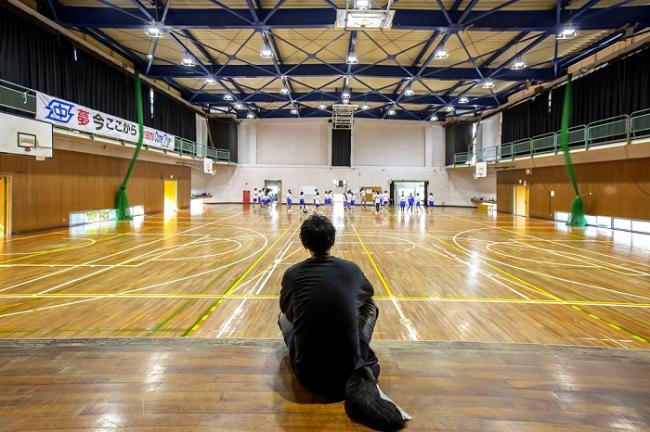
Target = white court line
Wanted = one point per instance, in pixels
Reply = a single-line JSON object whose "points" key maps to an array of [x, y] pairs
{"points": [[546, 275], [104, 257], [587, 260], [156, 285], [506, 286], [226, 326]]}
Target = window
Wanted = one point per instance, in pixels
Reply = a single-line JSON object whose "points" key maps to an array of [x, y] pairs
{"points": [[151, 101], [561, 216], [610, 222], [641, 226], [604, 221], [622, 224]]}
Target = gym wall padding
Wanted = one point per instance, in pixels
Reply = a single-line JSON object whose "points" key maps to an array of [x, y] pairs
{"points": [[38, 59], [46, 192], [619, 188]]}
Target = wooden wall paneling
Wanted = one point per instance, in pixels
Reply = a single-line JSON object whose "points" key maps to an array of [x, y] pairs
{"points": [[46, 192], [618, 188]]}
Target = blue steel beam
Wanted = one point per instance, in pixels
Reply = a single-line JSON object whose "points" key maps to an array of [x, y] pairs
{"points": [[382, 71], [424, 99], [405, 19]]}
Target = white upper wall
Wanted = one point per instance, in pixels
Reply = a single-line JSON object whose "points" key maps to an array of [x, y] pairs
{"points": [[292, 142], [380, 143], [297, 152]]}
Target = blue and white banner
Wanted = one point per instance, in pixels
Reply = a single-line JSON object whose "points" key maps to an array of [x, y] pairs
{"points": [[68, 114]]}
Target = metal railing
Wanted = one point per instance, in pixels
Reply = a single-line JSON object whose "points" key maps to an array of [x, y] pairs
{"points": [[23, 100], [621, 129]]}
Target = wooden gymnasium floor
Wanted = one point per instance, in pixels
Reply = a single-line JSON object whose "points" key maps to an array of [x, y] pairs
{"points": [[448, 275]]}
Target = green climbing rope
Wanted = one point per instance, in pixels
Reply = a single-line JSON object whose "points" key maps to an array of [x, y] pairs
{"points": [[577, 212], [122, 201]]}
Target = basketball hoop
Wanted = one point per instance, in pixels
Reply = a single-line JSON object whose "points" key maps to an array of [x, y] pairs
{"points": [[481, 170]]}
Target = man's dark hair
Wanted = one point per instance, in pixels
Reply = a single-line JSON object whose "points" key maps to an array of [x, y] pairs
{"points": [[317, 234]]}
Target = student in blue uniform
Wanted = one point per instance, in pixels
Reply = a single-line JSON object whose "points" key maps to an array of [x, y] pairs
{"points": [[352, 200], [303, 206], [384, 199], [346, 202], [418, 202], [411, 201], [430, 199], [316, 202], [402, 203], [255, 196], [289, 201], [378, 199]]}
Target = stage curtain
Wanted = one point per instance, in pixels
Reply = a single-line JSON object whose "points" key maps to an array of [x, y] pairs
{"points": [[223, 135], [458, 139], [41, 60], [341, 147], [621, 87]]}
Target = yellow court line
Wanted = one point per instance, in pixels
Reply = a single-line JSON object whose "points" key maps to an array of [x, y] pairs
{"points": [[276, 296], [500, 270], [227, 293], [47, 251], [541, 290], [374, 264], [257, 261]]}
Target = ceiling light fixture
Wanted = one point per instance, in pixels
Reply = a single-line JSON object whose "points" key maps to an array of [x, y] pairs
{"points": [[250, 115], [228, 97], [362, 4], [463, 100], [352, 58], [284, 90], [391, 112], [364, 106], [154, 31], [449, 108], [567, 32], [294, 111], [210, 81], [441, 53], [322, 106], [409, 92], [488, 84], [518, 64], [188, 61], [266, 52]]}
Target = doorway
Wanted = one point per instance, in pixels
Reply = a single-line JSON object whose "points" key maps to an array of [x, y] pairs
{"points": [[5, 207], [408, 187], [170, 196], [521, 200], [275, 186]]}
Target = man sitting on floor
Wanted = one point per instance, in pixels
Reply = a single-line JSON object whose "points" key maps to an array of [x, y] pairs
{"points": [[327, 319]]}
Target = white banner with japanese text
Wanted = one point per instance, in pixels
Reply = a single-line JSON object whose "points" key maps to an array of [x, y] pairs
{"points": [[63, 113]]}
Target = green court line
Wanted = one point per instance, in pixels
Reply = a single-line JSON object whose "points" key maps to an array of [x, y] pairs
{"points": [[183, 306], [213, 306]]}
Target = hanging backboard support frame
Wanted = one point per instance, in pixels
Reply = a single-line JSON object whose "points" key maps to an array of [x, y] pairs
{"points": [[343, 116]]}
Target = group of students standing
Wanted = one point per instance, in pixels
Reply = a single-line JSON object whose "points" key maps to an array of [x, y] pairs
{"points": [[414, 202], [265, 198]]}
